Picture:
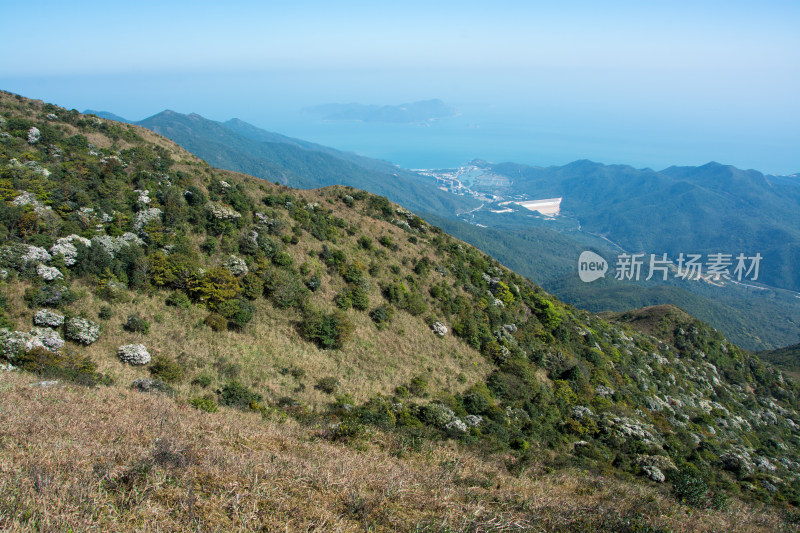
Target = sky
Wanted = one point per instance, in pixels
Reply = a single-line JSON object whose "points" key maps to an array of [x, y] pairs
{"points": [[645, 83]]}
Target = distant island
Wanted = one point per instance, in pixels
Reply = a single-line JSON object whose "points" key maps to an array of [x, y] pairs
{"points": [[416, 112]]}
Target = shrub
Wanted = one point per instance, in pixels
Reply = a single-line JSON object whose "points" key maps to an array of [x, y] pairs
{"points": [[66, 365], [360, 298], [178, 299], [285, 289], [136, 324], [343, 300], [436, 414], [81, 330], [415, 304], [314, 283], [204, 403], [216, 322], [353, 274], [215, 286], [49, 296], [417, 386], [238, 312], [348, 431], [282, 259], [475, 403], [689, 489], [167, 369], [328, 331], [252, 286], [105, 313], [234, 394], [381, 316], [203, 380], [328, 385]]}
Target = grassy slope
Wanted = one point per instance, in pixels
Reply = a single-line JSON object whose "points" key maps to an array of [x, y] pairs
{"points": [[114, 459]]}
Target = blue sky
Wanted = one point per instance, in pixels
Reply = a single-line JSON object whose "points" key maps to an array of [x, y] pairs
{"points": [[724, 74]]}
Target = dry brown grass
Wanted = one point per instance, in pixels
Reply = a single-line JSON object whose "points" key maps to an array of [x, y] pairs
{"points": [[112, 459]]}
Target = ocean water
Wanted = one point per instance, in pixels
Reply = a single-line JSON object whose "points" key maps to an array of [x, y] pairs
{"points": [[530, 137]]}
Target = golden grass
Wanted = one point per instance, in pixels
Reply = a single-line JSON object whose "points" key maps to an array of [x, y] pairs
{"points": [[112, 459]]}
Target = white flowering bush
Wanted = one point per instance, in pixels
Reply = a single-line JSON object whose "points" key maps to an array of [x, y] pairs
{"points": [[439, 329], [49, 338], [456, 425], [45, 317], [144, 197], [35, 254], [67, 250], [81, 330], [113, 245], [236, 266], [473, 420], [15, 343], [222, 212], [134, 354], [34, 135], [146, 216], [48, 273], [437, 414]]}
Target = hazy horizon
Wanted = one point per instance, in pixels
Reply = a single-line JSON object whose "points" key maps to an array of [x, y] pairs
{"points": [[649, 86]]}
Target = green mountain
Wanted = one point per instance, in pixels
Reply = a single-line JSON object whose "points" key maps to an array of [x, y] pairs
{"points": [[708, 209], [331, 346]]}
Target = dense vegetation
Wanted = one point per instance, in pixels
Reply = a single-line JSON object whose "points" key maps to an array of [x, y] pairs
{"points": [[352, 317]]}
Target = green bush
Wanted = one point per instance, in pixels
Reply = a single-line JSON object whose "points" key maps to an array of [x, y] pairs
{"points": [[178, 299], [67, 365], [282, 259], [203, 380], [53, 295], [348, 431], [234, 394], [238, 312], [418, 386], [328, 331], [343, 300], [105, 313], [204, 403], [328, 385], [136, 324], [381, 316], [167, 369], [360, 298], [252, 286], [216, 322], [689, 489]]}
